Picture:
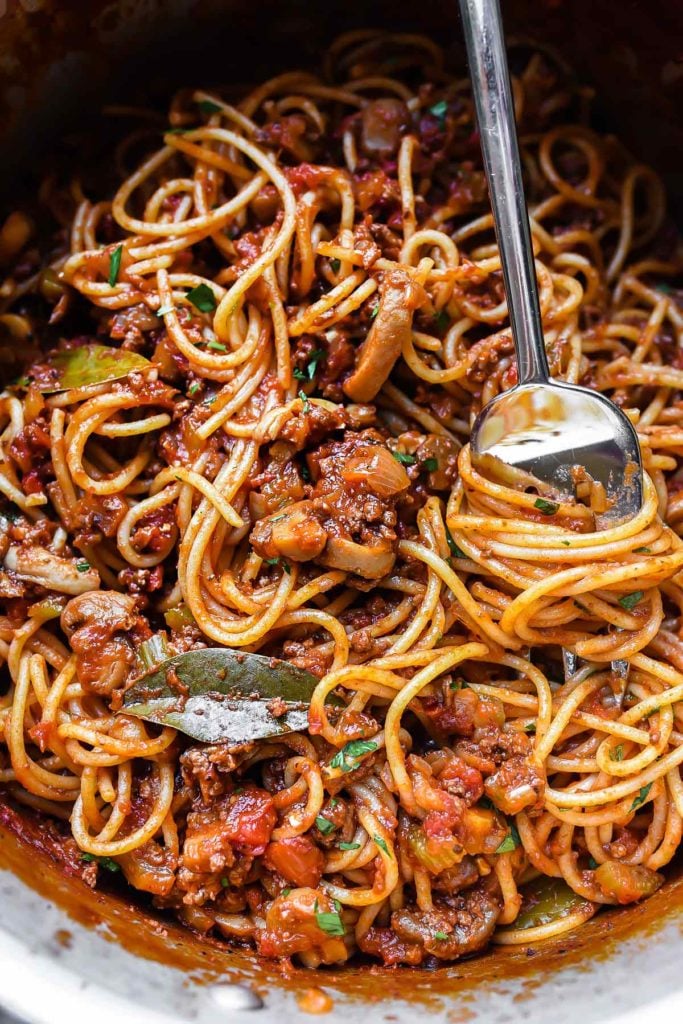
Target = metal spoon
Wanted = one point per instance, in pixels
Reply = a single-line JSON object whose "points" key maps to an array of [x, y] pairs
{"points": [[545, 427]]}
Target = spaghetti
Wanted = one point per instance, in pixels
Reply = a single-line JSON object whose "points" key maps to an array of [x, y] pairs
{"points": [[311, 277]]}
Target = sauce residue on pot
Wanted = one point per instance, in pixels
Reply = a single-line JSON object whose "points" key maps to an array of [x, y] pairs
{"points": [[31, 850]]}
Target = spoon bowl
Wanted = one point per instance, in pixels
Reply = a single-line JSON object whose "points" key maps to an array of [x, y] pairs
{"points": [[550, 429]]}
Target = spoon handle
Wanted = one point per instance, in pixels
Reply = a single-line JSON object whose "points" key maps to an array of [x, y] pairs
{"points": [[483, 27]]}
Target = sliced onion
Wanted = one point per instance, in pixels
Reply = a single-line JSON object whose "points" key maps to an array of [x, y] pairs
{"points": [[370, 562], [379, 470]]}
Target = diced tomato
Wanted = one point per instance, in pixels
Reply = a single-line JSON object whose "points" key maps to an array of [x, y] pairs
{"points": [[250, 820], [297, 859]]}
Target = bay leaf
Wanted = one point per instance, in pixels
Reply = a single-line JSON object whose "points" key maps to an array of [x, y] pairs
{"points": [[84, 366], [219, 695]]}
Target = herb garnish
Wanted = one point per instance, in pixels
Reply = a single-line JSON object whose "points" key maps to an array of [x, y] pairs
{"points": [[335, 264], [304, 402], [511, 841], [330, 923], [350, 753], [642, 796], [430, 465], [349, 846], [404, 458], [382, 844], [548, 508], [439, 110], [207, 107], [441, 936], [618, 753], [629, 601], [441, 320], [115, 265], [202, 298], [82, 566], [105, 862], [216, 346], [453, 547], [324, 825]]}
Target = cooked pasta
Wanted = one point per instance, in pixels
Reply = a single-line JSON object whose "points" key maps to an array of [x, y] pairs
{"points": [[253, 368]]}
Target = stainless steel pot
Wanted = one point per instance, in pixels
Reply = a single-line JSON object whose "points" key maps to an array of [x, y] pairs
{"points": [[58, 61]]}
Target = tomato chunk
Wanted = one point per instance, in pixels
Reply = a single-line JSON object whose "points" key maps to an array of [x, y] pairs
{"points": [[297, 859]]}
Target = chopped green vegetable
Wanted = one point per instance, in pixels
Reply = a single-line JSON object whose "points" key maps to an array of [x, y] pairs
{"points": [[82, 566], [382, 844], [566, 543], [115, 265], [335, 264], [404, 458], [618, 753], [546, 900], [285, 892], [312, 364], [430, 465], [346, 758], [453, 547], [374, 311], [459, 684], [299, 374], [511, 841], [441, 936], [305, 403], [216, 346], [331, 923], [441, 320], [207, 107], [202, 298], [439, 110], [643, 794], [548, 508], [349, 846], [642, 551], [225, 883], [194, 387], [629, 601], [530, 727], [324, 825], [279, 561], [105, 862], [153, 651], [592, 863]]}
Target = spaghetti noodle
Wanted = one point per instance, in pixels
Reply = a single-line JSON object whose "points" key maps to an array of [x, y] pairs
{"points": [[311, 276]]}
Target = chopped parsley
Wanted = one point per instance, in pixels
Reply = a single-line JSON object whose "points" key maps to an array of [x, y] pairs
{"points": [[458, 684], [207, 107], [115, 265], [305, 403], [404, 458], [202, 298], [82, 566], [430, 465], [629, 601], [642, 551], [312, 364], [530, 727], [441, 320], [441, 936], [285, 892], [592, 863], [453, 547], [382, 844], [548, 508], [299, 374], [216, 346], [335, 264], [225, 883], [374, 311], [439, 110], [511, 841], [642, 796], [104, 862], [566, 543], [279, 561], [194, 387], [349, 846], [324, 826], [330, 923], [346, 758], [618, 753]]}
